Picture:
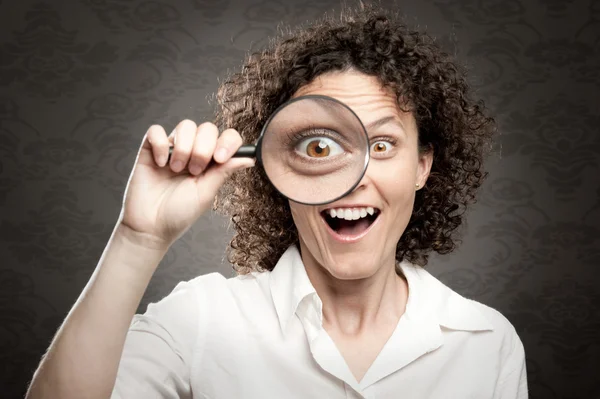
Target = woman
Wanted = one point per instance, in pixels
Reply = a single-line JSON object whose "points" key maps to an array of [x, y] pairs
{"points": [[315, 311]]}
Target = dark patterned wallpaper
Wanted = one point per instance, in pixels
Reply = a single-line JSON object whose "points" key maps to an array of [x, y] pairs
{"points": [[80, 82]]}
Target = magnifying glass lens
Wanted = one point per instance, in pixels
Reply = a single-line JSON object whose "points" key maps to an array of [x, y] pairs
{"points": [[314, 150]]}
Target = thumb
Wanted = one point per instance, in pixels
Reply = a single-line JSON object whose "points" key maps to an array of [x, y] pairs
{"points": [[216, 175]]}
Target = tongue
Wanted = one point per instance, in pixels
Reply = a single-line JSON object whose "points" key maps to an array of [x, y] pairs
{"points": [[352, 227]]}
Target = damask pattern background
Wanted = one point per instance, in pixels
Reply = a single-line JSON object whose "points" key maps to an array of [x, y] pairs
{"points": [[82, 80]]}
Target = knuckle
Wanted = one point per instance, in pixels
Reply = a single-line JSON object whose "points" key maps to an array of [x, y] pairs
{"points": [[185, 127], [179, 152], [181, 148], [207, 126], [155, 130], [188, 123], [201, 155], [231, 132], [231, 137]]}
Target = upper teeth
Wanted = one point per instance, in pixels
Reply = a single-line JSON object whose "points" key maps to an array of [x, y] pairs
{"points": [[351, 213]]}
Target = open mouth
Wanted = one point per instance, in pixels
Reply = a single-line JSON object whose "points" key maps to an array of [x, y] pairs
{"points": [[347, 223]]}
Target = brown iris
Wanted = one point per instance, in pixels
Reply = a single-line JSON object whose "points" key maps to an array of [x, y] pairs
{"points": [[379, 147], [317, 149]]}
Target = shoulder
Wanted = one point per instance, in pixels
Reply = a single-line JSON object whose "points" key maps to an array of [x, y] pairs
{"points": [[208, 288], [186, 294], [509, 350], [505, 332], [455, 312], [458, 312], [213, 293], [219, 285], [201, 301], [488, 332], [499, 321]]}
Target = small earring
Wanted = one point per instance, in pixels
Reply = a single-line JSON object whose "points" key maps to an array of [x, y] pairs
{"points": [[417, 185]]}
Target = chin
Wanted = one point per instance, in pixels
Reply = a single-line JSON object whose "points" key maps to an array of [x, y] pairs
{"points": [[357, 261], [345, 269]]}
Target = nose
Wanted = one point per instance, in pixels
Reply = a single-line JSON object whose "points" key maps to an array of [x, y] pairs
{"points": [[364, 181]]}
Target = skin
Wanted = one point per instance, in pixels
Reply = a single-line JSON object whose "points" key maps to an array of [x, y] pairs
{"points": [[363, 297]]}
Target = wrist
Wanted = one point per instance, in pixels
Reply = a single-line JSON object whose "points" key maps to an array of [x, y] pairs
{"points": [[143, 241]]}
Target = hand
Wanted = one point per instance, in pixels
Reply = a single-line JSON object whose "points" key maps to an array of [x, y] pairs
{"points": [[163, 201]]}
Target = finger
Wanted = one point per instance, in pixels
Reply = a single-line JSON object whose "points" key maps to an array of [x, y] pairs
{"points": [[183, 138], [159, 144], [216, 175], [227, 144], [204, 147]]}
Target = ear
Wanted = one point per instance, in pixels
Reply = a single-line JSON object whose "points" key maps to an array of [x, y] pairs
{"points": [[424, 166]]}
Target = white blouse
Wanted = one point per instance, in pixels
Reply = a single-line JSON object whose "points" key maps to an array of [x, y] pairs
{"points": [[261, 336]]}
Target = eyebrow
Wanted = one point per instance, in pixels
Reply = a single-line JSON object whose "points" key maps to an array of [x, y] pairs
{"points": [[383, 121]]}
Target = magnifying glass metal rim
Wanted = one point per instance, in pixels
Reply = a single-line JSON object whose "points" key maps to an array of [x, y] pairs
{"points": [[258, 147], [255, 151]]}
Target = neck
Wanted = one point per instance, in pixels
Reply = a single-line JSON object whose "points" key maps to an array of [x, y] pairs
{"points": [[353, 306]]}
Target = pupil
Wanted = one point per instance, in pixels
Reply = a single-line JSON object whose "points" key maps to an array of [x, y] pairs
{"points": [[318, 148]]}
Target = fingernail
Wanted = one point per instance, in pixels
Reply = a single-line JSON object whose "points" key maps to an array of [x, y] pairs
{"points": [[221, 154], [162, 160], [177, 165]]}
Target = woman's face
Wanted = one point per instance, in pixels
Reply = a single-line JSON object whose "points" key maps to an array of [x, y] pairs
{"points": [[358, 248]]}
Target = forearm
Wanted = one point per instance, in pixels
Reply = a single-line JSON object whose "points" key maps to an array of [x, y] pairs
{"points": [[83, 359]]}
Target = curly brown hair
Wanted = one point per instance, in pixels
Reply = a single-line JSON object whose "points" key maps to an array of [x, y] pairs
{"points": [[425, 79]]}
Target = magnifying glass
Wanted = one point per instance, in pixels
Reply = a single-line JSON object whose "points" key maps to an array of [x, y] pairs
{"points": [[314, 149]]}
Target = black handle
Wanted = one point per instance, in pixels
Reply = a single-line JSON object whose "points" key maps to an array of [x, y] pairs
{"points": [[245, 151]]}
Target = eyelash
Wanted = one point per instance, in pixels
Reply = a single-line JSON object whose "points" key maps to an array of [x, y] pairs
{"points": [[388, 139], [293, 137]]}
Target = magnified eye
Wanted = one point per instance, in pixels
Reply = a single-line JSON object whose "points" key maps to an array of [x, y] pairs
{"points": [[319, 147]]}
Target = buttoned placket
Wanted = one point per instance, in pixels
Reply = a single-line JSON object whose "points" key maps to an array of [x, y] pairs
{"points": [[323, 348], [321, 345]]}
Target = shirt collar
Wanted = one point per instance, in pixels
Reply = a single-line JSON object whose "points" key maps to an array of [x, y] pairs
{"points": [[428, 301], [428, 297], [289, 285]]}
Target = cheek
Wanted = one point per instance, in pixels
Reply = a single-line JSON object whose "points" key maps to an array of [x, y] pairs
{"points": [[304, 219], [396, 186], [395, 180]]}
